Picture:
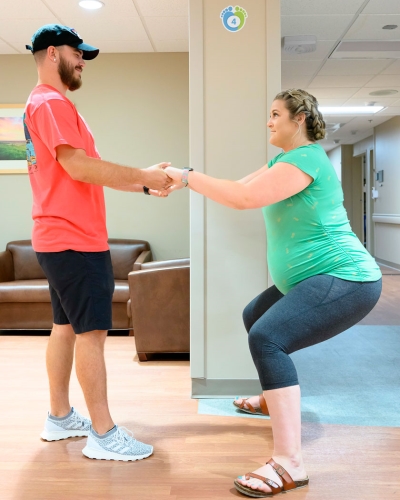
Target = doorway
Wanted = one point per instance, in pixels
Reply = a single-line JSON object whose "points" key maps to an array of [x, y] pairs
{"points": [[364, 165]]}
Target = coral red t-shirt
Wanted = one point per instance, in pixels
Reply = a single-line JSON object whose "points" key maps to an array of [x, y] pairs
{"points": [[67, 214]]}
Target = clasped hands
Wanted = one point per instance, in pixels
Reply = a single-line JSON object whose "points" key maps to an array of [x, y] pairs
{"points": [[163, 179]]}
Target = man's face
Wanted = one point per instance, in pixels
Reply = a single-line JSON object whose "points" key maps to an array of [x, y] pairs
{"points": [[70, 67]]}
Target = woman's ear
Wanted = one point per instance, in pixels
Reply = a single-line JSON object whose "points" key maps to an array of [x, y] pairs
{"points": [[301, 118]]}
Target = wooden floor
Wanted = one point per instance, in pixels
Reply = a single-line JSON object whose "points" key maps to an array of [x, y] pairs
{"points": [[196, 456]]}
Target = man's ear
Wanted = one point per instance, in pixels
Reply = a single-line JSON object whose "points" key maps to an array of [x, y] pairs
{"points": [[52, 53]]}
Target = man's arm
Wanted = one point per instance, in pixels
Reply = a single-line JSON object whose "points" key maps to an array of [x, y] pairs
{"points": [[138, 188], [83, 168]]}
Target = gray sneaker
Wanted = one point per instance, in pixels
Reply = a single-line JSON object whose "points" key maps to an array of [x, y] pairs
{"points": [[118, 445], [75, 425]]}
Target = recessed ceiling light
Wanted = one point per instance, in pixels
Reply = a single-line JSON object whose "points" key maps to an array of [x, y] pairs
{"points": [[383, 92], [91, 4], [390, 27], [350, 110]]}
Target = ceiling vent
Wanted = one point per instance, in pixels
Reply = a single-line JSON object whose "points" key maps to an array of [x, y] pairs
{"points": [[358, 49], [333, 127], [300, 44]]}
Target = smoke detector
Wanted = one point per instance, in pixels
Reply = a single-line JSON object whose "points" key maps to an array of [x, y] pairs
{"points": [[300, 44]]}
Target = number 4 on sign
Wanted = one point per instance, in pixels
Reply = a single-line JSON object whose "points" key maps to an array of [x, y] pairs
{"points": [[233, 19]]}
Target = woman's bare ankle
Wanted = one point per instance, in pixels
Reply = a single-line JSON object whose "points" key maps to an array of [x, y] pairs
{"points": [[294, 461]]}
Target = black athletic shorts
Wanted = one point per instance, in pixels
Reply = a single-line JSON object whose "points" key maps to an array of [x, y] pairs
{"points": [[81, 288]]}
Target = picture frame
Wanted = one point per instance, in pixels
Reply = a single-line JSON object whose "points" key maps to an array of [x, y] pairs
{"points": [[12, 140]]}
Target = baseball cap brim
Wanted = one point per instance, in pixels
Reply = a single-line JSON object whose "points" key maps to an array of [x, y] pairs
{"points": [[89, 52]]}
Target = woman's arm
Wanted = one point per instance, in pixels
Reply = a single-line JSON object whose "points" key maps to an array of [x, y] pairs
{"points": [[275, 184]]}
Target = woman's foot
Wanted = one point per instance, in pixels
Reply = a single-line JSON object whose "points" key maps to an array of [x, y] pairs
{"points": [[295, 469], [255, 405], [254, 402]]}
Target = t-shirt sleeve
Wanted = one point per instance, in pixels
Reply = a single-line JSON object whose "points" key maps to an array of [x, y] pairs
{"points": [[55, 121], [302, 158], [274, 160]]}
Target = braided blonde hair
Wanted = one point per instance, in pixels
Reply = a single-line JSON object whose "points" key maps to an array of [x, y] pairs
{"points": [[299, 101]]}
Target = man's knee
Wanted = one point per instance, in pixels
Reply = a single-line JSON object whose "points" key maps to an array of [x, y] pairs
{"points": [[93, 336], [62, 330]]}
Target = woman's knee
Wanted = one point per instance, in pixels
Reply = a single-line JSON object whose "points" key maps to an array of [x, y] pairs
{"points": [[266, 340], [257, 338], [247, 316]]}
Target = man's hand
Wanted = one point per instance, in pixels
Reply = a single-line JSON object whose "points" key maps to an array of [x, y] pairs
{"points": [[156, 178]]}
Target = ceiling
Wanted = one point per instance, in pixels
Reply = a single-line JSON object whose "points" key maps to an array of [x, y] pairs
{"points": [[162, 26]]}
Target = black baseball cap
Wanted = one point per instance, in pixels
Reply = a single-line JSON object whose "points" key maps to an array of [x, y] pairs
{"points": [[56, 34]]}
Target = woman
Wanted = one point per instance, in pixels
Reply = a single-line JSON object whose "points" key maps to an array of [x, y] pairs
{"points": [[325, 281]]}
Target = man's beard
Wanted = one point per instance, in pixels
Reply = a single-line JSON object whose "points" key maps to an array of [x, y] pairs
{"points": [[66, 72]]}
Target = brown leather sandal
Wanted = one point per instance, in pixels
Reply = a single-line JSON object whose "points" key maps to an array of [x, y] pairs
{"points": [[263, 410], [287, 483]]}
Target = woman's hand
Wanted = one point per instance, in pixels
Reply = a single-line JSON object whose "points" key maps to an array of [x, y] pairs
{"points": [[176, 175], [162, 193]]}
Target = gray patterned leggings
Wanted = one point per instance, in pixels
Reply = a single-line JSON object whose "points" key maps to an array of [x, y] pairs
{"points": [[315, 310]]}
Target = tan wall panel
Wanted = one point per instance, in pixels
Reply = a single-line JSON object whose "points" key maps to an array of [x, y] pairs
{"points": [[352, 189], [236, 112], [137, 108]]}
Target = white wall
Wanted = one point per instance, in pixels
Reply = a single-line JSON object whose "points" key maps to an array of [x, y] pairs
{"points": [[387, 206], [362, 146], [137, 107], [335, 156]]}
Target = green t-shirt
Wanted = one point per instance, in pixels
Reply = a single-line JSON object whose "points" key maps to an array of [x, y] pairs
{"points": [[309, 233]]}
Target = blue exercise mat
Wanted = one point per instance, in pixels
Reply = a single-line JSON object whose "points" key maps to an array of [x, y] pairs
{"points": [[352, 379]]}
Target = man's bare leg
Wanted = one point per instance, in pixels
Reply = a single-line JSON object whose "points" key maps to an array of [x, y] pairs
{"points": [[91, 373], [59, 359]]}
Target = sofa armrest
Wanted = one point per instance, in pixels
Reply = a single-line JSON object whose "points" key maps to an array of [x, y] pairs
{"points": [[160, 306], [6, 266], [145, 256], [165, 264]]}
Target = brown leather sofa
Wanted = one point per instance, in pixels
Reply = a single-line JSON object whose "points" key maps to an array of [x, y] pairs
{"points": [[24, 290], [159, 294]]}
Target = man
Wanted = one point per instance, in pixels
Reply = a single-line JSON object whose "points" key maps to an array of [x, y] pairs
{"points": [[70, 238]]}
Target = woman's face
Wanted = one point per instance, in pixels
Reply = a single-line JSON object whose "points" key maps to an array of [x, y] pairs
{"points": [[286, 132]]}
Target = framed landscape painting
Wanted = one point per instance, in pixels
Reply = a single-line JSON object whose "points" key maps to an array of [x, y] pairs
{"points": [[12, 140]]}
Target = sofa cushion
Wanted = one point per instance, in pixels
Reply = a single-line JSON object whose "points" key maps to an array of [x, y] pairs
{"points": [[123, 255], [38, 291], [26, 265], [25, 291]]}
